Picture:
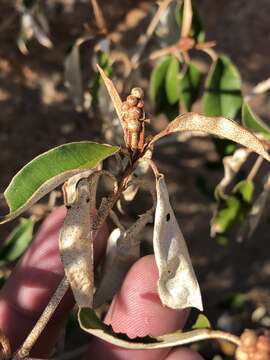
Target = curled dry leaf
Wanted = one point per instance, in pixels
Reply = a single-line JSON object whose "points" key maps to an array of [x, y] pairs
{"points": [[76, 246], [90, 323], [123, 250], [218, 126], [177, 285], [232, 165]]}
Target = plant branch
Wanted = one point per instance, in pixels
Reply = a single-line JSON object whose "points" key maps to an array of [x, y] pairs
{"points": [[144, 40], [187, 18], [255, 168], [34, 334], [101, 24]]}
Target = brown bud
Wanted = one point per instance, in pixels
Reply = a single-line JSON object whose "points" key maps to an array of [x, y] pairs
{"points": [[125, 106], [138, 92], [132, 100], [134, 113], [263, 343], [140, 104], [248, 338]]}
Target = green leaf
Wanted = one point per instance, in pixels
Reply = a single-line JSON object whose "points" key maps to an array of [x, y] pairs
{"points": [[189, 86], [157, 82], [90, 323], [222, 95], [49, 170], [18, 241], [196, 31], [103, 61], [172, 81], [201, 322], [234, 208], [253, 122]]}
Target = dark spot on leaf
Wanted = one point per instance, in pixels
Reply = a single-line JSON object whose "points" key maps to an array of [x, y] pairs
{"points": [[87, 200], [68, 206], [168, 216]]}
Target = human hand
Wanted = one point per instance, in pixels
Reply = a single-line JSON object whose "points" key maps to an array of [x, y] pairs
{"points": [[135, 310]]}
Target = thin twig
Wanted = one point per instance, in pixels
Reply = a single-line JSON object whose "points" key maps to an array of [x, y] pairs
{"points": [[5, 351], [187, 18], [34, 334], [101, 24], [255, 168], [149, 32]]}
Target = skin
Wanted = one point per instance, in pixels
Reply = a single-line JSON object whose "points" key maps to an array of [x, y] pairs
{"points": [[135, 310]]}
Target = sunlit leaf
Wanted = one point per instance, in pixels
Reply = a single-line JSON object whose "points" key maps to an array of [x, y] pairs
{"points": [[189, 86], [218, 126], [222, 96], [49, 170], [172, 81], [253, 122], [90, 323], [234, 208], [201, 322], [18, 241], [178, 287], [196, 31]]}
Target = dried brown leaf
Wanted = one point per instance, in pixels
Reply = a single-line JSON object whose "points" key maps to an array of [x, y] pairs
{"points": [[177, 285], [123, 250], [218, 126], [76, 246], [232, 165]]}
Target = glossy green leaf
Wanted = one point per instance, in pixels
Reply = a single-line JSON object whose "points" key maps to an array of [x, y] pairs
{"points": [[90, 323], [201, 322], [196, 31], [253, 122], [189, 86], [222, 96], [234, 208], [18, 241], [172, 81], [49, 170]]}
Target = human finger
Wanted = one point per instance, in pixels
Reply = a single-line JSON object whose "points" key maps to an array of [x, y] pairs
{"points": [[137, 311], [32, 284]]}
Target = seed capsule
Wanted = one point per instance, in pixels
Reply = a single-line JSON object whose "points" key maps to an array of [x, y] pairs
{"points": [[125, 106], [140, 104], [134, 113], [132, 100], [138, 92]]}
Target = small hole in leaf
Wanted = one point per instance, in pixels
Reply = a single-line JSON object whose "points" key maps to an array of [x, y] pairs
{"points": [[68, 206], [168, 216], [87, 200]]}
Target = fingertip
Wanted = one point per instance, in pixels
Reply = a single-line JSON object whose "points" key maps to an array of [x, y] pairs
{"points": [[137, 310]]}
